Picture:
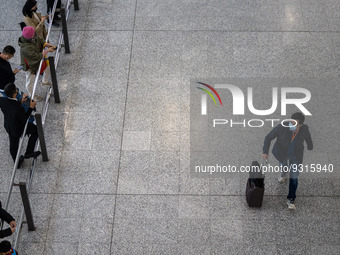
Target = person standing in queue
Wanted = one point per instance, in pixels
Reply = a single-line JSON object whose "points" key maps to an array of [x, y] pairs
{"points": [[15, 119]]}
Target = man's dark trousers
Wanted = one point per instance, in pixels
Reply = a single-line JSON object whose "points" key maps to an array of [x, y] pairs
{"points": [[14, 141], [50, 4]]}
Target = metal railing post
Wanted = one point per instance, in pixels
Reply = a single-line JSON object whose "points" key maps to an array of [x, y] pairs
{"points": [[54, 80], [27, 207], [41, 137], [64, 29], [76, 5]]}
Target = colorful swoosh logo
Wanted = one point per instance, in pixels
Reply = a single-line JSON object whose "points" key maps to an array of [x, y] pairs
{"points": [[208, 92]]}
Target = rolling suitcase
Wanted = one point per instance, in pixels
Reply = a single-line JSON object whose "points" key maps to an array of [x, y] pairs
{"points": [[255, 186]]}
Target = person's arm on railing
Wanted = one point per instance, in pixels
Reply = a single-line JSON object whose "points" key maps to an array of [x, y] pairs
{"points": [[50, 49], [22, 115], [10, 220]]}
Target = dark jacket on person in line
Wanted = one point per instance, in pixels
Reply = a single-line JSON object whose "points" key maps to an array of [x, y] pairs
{"points": [[6, 73], [8, 218], [283, 137], [15, 116], [32, 52]]}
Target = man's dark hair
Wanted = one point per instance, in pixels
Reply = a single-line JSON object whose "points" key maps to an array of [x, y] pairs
{"points": [[298, 116], [5, 246], [10, 89], [8, 50], [26, 10]]}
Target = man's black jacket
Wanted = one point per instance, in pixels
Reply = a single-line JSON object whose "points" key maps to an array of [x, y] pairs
{"points": [[15, 116], [8, 218], [6, 73], [283, 137]]}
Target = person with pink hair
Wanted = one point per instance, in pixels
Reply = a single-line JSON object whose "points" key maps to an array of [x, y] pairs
{"points": [[31, 53]]}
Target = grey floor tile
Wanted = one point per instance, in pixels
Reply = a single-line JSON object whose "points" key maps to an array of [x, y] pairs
{"points": [[226, 231], [54, 142], [324, 231], [161, 249], [68, 205], [131, 207], [39, 235], [53, 163], [125, 248], [71, 182], [41, 204], [193, 186], [134, 172], [194, 207], [106, 141], [74, 140], [228, 186], [128, 231], [31, 248], [6, 177], [325, 248], [102, 227], [99, 206], [169, 121], [234, 38], [194, 231], [137, 121], [259, 231], [161, 231], [64, 230], [110, 121], [100, 181], [15, 204], [77, 161], [87, 248], [164, 141], [163, 183], [298, 248], [55, 121], [293, 231], [197, 248], [136, 140], [316, 21], [219, 248], [123, 12], [260, 248], [162, 207], [221, 207], [81, 121], [60, 248], [44, 182]]}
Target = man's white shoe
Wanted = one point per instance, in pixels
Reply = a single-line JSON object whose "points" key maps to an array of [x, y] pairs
{"points": [[281, 179], [48, 83], [291, 205]]}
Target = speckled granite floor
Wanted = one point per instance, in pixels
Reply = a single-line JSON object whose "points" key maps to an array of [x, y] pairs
{"points": [[118, 181]]}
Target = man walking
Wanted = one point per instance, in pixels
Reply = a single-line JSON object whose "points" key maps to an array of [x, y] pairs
{"points": [[15, 119], [288, 150]]}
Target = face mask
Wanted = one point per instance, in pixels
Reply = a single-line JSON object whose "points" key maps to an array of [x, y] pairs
{"points": [[292, 127]]}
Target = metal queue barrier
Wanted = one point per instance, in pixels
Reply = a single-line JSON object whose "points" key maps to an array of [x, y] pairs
{"points": [[40, 120]]}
